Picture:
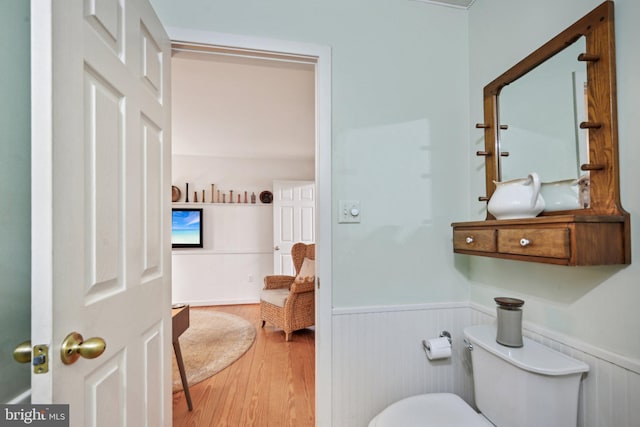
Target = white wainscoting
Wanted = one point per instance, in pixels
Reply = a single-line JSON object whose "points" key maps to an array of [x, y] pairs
{"points": [[378, 359], [210, 278], [237, 254]]}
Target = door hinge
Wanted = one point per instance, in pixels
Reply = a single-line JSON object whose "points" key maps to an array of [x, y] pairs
{"points": [[40, 359]]}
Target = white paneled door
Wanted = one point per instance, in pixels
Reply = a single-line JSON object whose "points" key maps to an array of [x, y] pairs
{"points": [[293, 220], [101, 208]]}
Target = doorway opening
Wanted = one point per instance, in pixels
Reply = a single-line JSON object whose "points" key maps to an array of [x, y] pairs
{"points": [[301, 55]]}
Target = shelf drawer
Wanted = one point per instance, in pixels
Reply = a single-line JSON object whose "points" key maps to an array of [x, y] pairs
{"points": [[475, 240], [548, 242]]}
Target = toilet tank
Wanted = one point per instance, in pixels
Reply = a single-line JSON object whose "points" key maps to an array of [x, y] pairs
{"points": [[530, 386]]}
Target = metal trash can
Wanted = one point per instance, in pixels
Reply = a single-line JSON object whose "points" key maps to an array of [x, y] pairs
{"points": [[509, 321]]}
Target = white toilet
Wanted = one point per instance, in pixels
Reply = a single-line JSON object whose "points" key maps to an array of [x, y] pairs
{"points": [[530, 386]]}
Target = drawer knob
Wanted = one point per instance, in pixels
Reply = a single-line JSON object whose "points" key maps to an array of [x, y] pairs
{"points": [[469, 240], [524, 242]]}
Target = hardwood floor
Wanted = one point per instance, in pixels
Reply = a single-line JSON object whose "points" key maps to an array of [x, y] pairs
{"points": [[272, 384]]}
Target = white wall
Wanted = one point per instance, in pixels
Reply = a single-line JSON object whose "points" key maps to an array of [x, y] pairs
{"points": [[236, 255], [240, 124], [238, 239]]}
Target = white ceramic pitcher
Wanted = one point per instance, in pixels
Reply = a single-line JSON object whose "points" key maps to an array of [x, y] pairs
{"points": [[517, 198], [561, 195], [566, 194]]}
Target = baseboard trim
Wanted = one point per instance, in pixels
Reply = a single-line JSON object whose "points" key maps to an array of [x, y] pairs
{"points": [[202, 303], [403, 307]]}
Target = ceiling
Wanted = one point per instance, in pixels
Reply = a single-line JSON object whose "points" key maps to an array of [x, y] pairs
{"points": [[241, 105]]}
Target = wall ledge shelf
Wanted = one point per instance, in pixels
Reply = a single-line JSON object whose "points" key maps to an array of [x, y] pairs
{"points": [[551, 219], [573, 239], [196, 204]]}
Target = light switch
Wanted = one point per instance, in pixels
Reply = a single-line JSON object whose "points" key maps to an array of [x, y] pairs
{"points": [[348, 211]]}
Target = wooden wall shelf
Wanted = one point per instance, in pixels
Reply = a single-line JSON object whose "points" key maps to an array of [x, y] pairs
{"points": [[596, 235], [200, 204], [559, 239]]}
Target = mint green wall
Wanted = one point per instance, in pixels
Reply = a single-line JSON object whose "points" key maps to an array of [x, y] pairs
{"points": [[15, 214], [597, 305], [407, 89], [400, 126]]}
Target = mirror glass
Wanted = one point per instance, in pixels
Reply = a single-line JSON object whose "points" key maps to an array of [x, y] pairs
{"points": [[543, 110]]}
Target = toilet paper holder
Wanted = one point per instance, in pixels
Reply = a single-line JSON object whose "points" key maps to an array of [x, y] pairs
{"points": [[425, 343]]}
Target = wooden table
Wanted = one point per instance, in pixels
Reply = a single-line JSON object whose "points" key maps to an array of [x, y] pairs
{"points": [[180, 323]]}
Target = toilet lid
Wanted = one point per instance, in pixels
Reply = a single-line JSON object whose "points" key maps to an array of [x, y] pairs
{"points": [[434, 409]]}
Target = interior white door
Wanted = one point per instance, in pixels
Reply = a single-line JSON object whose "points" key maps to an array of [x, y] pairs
{"points": [[101, 208], [293, 220]]}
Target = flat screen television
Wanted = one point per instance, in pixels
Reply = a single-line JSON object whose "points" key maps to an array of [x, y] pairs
{"points": [[186, 228]]}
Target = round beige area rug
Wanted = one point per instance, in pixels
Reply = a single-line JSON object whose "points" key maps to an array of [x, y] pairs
{"points": [[213, 341]]}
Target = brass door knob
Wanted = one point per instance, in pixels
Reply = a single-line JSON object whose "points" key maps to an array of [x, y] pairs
{"points": [[22, 352], [74, 346]]}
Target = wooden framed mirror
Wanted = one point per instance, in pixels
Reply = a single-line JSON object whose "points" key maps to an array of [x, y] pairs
{"points": [[596, 231]]}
